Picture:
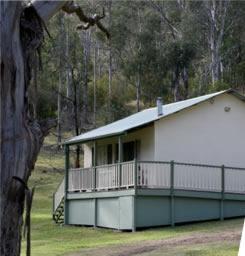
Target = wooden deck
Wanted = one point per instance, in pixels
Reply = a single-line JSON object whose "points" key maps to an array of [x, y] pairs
{"points": [[172, 176], [152, 174]]}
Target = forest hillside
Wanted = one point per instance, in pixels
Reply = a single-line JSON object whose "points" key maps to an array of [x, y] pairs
{"points": [[173, 49]]}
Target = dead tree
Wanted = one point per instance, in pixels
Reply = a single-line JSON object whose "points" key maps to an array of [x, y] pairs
{"points": [[22, 135]]}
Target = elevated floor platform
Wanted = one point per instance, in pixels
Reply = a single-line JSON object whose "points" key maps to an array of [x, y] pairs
{"points": [[144, 207]]}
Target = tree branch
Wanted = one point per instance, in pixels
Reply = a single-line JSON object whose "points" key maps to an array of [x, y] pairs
{"points": [[71, 7], [157, 6], [46, 125], [47, 9]]}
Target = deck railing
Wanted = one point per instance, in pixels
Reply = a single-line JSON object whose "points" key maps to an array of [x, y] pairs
{"points": [[102, 177], [107, 176], [80, 179], [153, 174], [197, 177], [234, 180]]}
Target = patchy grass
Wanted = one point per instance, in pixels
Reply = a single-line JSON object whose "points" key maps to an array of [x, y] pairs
{"points": [[52, 239]]}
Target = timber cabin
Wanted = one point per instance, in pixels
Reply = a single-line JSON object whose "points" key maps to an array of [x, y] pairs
{"points": [[175, 163]]}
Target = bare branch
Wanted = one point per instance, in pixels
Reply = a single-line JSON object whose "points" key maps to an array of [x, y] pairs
{"points": [[157, 6], [71, 7], [47, 9], [47, 124]]}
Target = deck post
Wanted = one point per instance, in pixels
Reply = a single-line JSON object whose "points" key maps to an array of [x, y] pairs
{"points": [[120, 159], [172, 215], [94, 166], [134, 213], [134, 196], [222, 192], [135, 175], [67, 165]]}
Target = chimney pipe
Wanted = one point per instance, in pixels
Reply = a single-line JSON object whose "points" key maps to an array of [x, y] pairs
{"points": [[159, 106]]}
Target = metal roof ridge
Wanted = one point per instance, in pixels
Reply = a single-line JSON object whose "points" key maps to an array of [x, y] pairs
{"points": [[139, 123]]}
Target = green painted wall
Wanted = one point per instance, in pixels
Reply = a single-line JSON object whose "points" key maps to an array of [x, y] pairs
{"points": [[152, 211], [126, 212], [108, 212], [195, 209], [149, 208], [81, 212], [234, 209]]}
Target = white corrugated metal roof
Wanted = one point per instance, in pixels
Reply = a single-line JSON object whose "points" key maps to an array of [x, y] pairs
{"points": [[139, 119]]}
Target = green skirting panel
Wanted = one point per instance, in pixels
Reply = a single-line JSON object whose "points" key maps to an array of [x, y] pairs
{"points": [[195, 209], [152, 211], [234, 208], [109, 212], [127, 210], [81, 212]]}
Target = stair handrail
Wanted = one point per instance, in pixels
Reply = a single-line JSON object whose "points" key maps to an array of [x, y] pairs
{"points": [[58, 195]]}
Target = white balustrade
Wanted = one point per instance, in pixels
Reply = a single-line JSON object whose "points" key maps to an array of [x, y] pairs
{"points": [[150, 174], [107, 176], [153, 174], [197, 177], [80, 179], [234, 180]]}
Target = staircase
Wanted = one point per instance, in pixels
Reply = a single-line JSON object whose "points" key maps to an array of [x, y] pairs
{"points": [[58, 203], [58, 215]]}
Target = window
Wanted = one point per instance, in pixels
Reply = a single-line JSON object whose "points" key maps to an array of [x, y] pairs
{"points": [[109, 154]]}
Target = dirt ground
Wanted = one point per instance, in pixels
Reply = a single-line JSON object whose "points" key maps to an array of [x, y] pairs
{"points": [[149, 247]]}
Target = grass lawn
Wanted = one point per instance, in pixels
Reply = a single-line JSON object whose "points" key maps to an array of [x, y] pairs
{"points": [[49, 238]]}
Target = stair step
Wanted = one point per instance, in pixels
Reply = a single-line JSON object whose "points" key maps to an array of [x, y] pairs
{"points": [[58, 215]]}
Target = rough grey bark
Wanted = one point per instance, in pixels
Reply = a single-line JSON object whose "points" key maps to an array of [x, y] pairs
{"points": [[34, 91], [21, 135]]}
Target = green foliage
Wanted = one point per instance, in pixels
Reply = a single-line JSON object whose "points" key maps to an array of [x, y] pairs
{"points": [[152, 44]]}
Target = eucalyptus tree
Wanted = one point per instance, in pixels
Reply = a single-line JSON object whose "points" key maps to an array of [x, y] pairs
{"points": [[22, 33], [216, 16]]}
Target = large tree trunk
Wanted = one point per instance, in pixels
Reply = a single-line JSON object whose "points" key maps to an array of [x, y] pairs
{"points": [[21, 136]]}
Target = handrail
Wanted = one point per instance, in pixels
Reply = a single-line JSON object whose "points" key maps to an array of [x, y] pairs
{"points": [[100, 166], [58, 195], [155, 174]]}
